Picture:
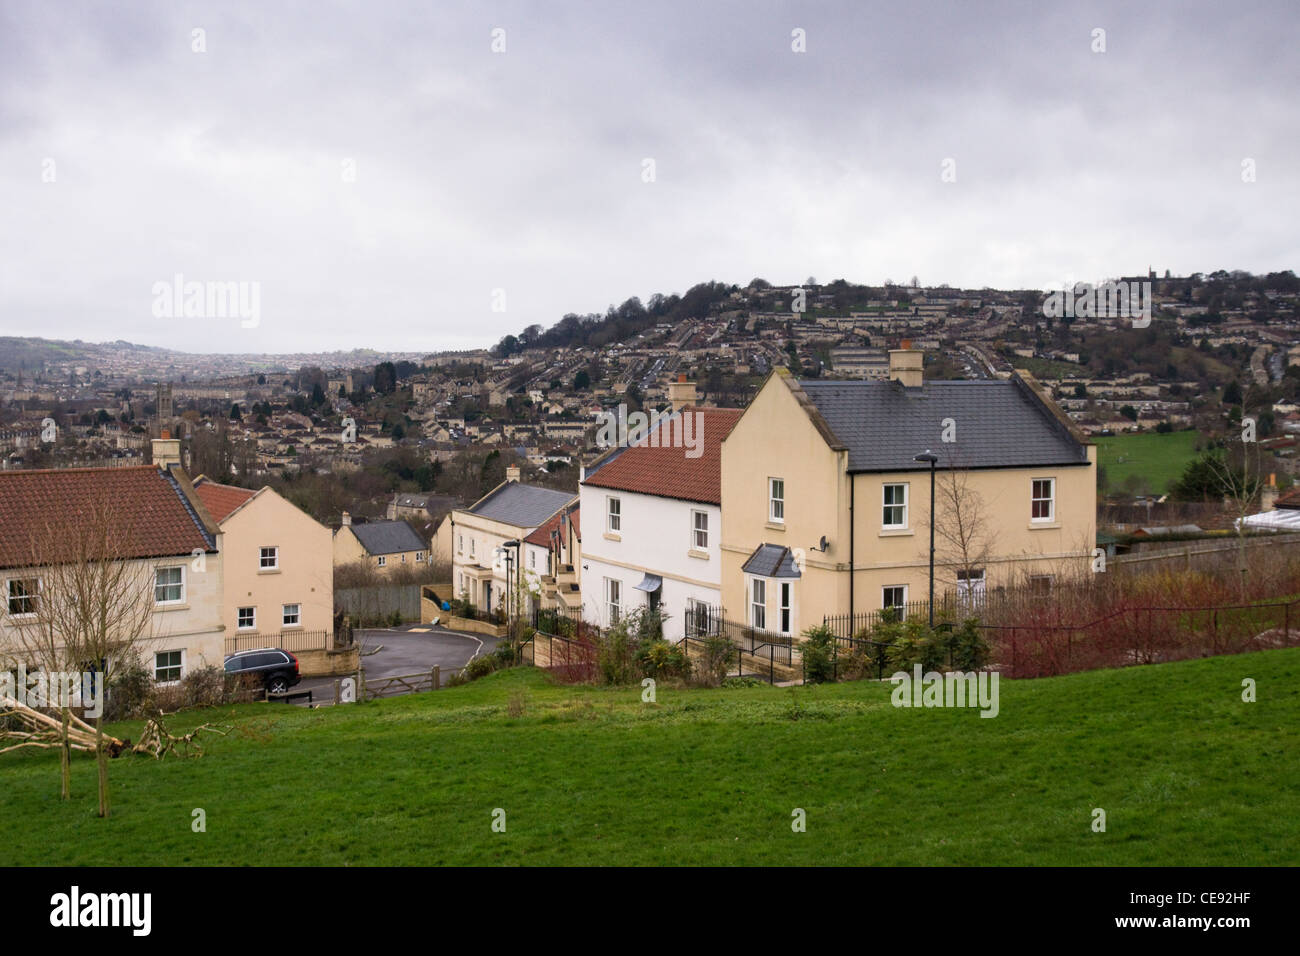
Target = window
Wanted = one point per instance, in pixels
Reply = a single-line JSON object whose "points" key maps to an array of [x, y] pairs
{"points": [[419, 557], [787, 595], [247, 618], [1040, 584], [471, 547], [167, 666], [1043, 506], [895, 512], [700, 530], [776, 500], [895, 595], [970, 585], [532, 559], [169, 585], [614, 599], [22, 595], [697, 618], [292, 615], [614, 515], [758, 603], [383, 561], [269, 560], [460, 544]]}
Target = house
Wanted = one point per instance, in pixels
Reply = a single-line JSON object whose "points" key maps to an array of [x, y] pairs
{"points": [[162, 534], [659, 507], [382, 545], [552, 562], [487, 538], [277, 563], [826, 510]]}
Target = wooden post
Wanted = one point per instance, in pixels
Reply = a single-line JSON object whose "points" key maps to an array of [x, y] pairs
{"points": [[437, 677], [338, 690], [361, 685]]}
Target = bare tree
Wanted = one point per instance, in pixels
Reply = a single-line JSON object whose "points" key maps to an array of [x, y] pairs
{"points": [[963, 536], [1237, 473], [90, 603]]}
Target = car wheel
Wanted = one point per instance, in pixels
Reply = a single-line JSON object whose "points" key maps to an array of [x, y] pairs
{"points": [[277, 685]]}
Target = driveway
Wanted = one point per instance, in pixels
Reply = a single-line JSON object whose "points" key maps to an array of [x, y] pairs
{"points": [[409, 649]]}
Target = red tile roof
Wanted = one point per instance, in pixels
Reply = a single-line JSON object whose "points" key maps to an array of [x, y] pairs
{"points": [[220, 500], [668, 472], [156, 518]]}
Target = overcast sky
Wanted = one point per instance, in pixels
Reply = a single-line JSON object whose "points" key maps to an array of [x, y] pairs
{"points": [[524, 170]]}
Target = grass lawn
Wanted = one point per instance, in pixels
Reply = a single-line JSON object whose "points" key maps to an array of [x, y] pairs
{"points": [[1187, 773], [1159, 459]]}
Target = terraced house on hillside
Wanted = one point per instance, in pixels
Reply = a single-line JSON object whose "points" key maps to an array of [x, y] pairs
{"points": [[826, 509]]}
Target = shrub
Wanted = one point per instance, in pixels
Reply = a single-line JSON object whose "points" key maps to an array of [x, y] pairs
{"points": [[969, 650], [743, 682], [660, 659], [917, 644], [717, 654], [129, 692], [207, 687], [480, 667], [818, 652]]}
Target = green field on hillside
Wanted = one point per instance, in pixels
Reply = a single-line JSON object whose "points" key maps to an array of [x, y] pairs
{"points": [[1186, 772], [1157, 459]]}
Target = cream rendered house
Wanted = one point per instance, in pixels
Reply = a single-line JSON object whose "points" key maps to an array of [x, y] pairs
{"points": [[826, 511], [278, 563], [488, 540], [382, 545], [171, 546]]}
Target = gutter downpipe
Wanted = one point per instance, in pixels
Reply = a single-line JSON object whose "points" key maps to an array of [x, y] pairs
{"points": [[853, 485]]}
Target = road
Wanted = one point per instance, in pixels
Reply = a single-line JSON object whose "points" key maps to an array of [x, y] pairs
{"points": [[407, 650]]}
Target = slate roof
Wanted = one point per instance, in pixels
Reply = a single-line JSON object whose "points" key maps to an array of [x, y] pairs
{"points": [[524, 506], [157, 518], [667, 471], [388, 537], [771, 561], [999, 424], [219, 499]]}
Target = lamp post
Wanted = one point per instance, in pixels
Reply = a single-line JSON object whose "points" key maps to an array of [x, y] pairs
{"points": [[933, 460]]}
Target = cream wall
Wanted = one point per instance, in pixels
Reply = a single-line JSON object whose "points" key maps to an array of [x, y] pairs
{"points": [[474, 540], [776, 438], [305, 575], [193, 626], [347, 549]]}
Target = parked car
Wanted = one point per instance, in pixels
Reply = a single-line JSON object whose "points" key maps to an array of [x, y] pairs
{"points": [[277, 669]]}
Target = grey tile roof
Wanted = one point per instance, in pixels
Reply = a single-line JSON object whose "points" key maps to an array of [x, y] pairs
{"points": [[388, 537], [524, 506], [771, 561], [999, 424]]}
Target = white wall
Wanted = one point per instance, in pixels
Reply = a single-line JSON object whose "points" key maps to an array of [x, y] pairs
{"points": [[655, 537]]}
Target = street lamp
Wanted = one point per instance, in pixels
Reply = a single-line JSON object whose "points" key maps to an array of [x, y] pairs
{"points": [[933, 460], [511, 564]]}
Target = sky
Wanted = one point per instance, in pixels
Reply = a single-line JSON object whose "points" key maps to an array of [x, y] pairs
{"points": [[435, 175]]}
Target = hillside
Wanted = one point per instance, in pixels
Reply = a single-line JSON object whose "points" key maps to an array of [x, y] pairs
{"points": [[1187, 773]]}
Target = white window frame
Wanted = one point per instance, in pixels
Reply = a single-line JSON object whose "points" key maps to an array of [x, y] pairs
{"points": [[419, 557], [275, 558], [785, 612], [169, 567], [383, 560], [613, 514], [893, 587], [966, 591], [10, 597], [613, 600], [775, 502], [471, 546], [297, 615], [758, 603], [239, 611], [887, 506], [460, 544], [180, 666], [699, 535], [1050, 499]]}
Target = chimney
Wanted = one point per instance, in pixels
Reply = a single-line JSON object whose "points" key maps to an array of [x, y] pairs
{"points": [[166, 450], [347, 520], [1268, 495], [905, 367], [512, 473], [681, 392]]}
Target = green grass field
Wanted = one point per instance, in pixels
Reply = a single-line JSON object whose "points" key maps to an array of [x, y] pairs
{"points": [[1187, 773], [1158, 459]]}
